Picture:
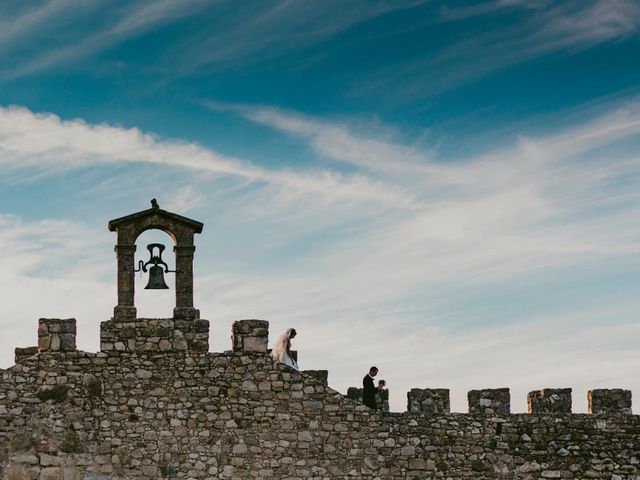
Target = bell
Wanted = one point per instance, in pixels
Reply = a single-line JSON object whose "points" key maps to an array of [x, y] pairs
{"points": [[156, 279]]}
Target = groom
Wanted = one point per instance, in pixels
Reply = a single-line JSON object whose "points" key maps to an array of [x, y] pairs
{"points": [[369, 390]]}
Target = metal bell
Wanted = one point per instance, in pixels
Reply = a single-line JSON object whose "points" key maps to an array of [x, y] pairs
{"points": [[156, 279]]}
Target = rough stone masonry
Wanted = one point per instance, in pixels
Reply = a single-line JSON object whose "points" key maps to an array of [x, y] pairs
{"points": [[162, 406]]}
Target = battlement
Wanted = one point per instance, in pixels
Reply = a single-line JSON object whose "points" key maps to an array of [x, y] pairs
{"points": [[163, 335], [154, 403]]}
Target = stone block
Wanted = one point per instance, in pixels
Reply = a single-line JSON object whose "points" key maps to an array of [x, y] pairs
{"points": [[432, 401], [489, 401], [255, 344], [55, 334], [550, 401], [67, 342], [320, 375], [21, 354], [609, 401], [250, 335]]}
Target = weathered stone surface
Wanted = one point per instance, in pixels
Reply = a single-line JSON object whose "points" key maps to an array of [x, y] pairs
{"points": [[55, 334], [154, 334], [150, 414], [614, 400], [320, 375], [250, 335], [489, 401], [550, 400], [24, 353], [429, 401]]}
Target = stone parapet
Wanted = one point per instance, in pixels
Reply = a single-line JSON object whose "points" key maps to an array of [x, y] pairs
{"points": [[154, 334], [321, 375], [489, 401], [433, 401], [56, 335], [250, 335], [382, 397], [611, 401], [177, 415], [550, 400]]}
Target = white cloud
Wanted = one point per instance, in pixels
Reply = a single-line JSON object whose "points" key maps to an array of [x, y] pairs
{"points": [[44, 143]]}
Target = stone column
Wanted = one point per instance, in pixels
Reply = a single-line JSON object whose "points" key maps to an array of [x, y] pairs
{"points": [[250, 335], [429, 400], [57, 335], [550, 400], [611, 401], [184, 282], [125, 310], [489, 401]]}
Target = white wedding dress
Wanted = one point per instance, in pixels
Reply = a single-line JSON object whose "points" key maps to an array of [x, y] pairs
{"points": [[287, 360]]}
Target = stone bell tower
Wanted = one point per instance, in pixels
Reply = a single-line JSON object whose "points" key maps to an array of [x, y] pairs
{"points": [[126, 332]]}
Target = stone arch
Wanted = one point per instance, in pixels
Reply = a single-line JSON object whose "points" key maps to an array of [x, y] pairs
{"points": [[181, 230]]}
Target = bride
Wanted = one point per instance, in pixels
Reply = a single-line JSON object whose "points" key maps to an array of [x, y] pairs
{"points": [[282, 350]]}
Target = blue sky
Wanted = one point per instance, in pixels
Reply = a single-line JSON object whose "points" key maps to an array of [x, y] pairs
{"points": [[448, 190]]}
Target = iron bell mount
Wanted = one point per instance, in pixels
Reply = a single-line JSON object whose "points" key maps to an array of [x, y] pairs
{"points": [[157, 268]]}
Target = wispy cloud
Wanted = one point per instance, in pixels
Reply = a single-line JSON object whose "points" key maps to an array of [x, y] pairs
{"points": [[266, 30], [49, 24], [546, 28], [336, 141], [220, 37], [44, 143]]}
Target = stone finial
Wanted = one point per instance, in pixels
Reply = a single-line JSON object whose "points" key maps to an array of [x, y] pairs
{"points": [[428, 400], [250, 335], [57, 335], [550, 400], [489, 401], [612, 401], [320, 375], [382, 397], [21, 354]]}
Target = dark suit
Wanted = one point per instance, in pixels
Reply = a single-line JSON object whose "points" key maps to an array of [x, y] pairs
{"points": [[369, 392]]}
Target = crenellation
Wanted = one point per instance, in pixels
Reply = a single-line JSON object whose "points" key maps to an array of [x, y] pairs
{"points": [[56, 335], [616, 400], [489, 401], [250, 336], [550, 400], [432, 401], [382, 397]]}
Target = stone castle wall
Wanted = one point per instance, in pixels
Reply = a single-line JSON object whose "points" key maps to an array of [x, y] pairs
{"points": [[150, 413]]}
